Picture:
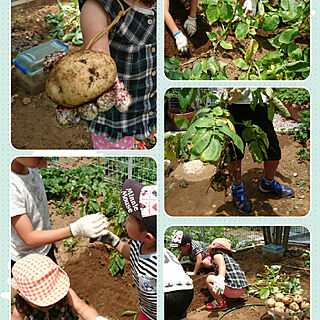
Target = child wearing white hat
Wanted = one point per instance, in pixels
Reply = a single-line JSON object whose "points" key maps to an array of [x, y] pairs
{"points": [[44, 293]]}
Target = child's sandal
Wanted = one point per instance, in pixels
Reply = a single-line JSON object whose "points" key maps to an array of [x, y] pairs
{"points": [[216, 305]]}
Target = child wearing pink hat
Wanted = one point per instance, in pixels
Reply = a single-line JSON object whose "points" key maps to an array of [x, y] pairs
{"points": [[44, 293], [229, 280]]}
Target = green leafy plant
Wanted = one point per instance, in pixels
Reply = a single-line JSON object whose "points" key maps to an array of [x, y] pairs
{"points": [[272, 281], [70, 243], [65, 25], [116, 263], [185, 96], [299, 96], [306, 258]]}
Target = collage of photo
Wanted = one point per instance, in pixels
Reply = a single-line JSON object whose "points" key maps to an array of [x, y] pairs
{"points": [[174, 193]]}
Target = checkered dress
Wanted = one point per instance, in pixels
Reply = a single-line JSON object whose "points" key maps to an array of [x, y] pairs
{"points": [[133, 47], [235, 277], [60, 311], [196, 248]]}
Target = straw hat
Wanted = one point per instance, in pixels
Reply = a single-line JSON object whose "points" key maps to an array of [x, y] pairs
{"points": [[39, 280]]}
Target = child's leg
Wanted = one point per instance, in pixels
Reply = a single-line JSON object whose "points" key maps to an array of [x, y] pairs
{"points": [[210, 281], [92, 20]]}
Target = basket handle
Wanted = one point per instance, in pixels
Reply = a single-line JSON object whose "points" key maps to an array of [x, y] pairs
{"points": [[116, 19]]}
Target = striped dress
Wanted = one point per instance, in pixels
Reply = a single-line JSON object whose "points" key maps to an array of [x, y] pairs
{"points": [[144, 271]]}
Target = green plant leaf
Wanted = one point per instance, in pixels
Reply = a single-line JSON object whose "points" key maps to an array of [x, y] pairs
{"points": [[240, 63], [226, 45], [294, 52], [270, 23], [255, 151], [212, 152], [212, 13], [242, 30], [287, 36], [252, 49], [226, 12], [264, 293], [204, 122], [226, 130], [182, 123], [197, 69], [200, 141]]}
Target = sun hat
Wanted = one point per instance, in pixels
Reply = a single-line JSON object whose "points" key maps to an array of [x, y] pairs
{"points": [[141, 202], [39, 280], [221, 243], [179, 238]]}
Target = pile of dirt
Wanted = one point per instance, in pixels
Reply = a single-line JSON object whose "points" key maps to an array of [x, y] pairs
{"points": [[190, 198]]}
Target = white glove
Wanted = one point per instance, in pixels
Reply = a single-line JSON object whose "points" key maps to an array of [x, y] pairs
{"points": [[101, 318], [191, 26], [110, 238], [250, 6], [190, 273], [219, 285], [90, 226], [181, 42]]}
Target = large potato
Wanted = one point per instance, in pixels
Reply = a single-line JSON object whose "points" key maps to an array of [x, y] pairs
{"points": [[80, 77]]}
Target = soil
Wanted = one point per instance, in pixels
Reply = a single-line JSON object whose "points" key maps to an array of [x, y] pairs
{"points": [[33, 117], [200, 47], [190, 192], [252, 262], [87, 267]]}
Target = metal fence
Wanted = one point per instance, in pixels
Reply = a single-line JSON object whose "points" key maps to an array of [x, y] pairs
{"points": [[242, 236], [117, 169]]}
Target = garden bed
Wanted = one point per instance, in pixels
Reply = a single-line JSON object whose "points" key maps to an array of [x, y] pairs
{"points": [[252, 263], [190, 198]]}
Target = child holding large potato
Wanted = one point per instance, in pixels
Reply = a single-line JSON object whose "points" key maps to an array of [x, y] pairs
{"points": [[132, 44], [229, 280], [140, 202]]}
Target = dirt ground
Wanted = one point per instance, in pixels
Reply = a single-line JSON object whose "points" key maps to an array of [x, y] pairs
{"points": [[201, 47], [252, 262], [87, 267], [185, 197], [33, 120]]}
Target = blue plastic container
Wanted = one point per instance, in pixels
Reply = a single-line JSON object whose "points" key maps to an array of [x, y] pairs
{"points": [[29, 65], [272, 252]]}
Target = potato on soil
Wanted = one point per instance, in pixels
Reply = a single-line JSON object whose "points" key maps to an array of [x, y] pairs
{"points": [[278, 297], [280, 305], [304, 305], [80, 77], [297, 298], [287, 300], [271, 302], [294, 306]]}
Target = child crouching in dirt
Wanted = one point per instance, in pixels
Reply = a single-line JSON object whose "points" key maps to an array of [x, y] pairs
{"points": [[229, 280], [132, 44], [44, 292], [30, 218], [195, 250], [140, 202]]}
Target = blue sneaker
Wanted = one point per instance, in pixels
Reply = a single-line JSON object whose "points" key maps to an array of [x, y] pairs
{"points": [[275, 187], [240, 198]]}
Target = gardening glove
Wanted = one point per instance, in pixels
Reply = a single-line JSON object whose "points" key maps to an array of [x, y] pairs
{"points": [[90, 226], [191, 26], [181, 42], [219, 285], [123, 98], [110, 238], [250, 6], [51, 59], [190, 273]]}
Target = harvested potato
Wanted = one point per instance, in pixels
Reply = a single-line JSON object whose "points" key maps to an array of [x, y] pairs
{"points": [[280, 305], [271, 302], [294, 306], [277, 309], [279, 297], [297, 298], [304, 305], [287, 299], [80, 77]]}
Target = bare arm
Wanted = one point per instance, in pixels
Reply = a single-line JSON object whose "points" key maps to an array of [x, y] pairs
{"points": [[193, 8], [124, 249], [219, 261], [93, 19], [198, 263], [179, 257], [37, 238], [16, 315], [168, 19]]}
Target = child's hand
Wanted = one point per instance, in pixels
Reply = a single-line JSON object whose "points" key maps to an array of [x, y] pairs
{"points": [[110, 238], [91, 226], [191, 26], [181, 42], [219, 285]]}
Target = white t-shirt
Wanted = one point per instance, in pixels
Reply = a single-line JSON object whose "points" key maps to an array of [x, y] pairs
{"points": [[174, 276], [28, 196]]}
